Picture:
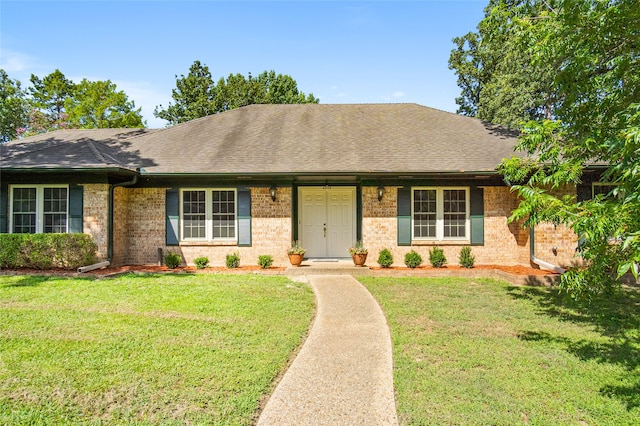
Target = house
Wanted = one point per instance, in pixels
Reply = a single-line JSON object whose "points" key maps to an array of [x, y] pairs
{"points": [[253, 179]]}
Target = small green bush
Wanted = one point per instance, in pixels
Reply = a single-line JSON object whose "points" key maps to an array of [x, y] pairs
{"points": [[412, 259], [466, 259], [265, 261], [437, 257], [201, 262], [43, 251], [233, 260], [172, 260], [385, 258]]}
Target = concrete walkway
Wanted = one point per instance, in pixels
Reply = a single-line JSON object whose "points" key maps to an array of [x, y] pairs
{"points": [[343, 374]]}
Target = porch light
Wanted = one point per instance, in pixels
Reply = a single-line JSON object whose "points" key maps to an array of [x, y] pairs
{"points": [[380, 192], [272, 192]]}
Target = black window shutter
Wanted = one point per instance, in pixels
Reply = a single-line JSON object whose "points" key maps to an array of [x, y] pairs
{"points": [[584, 191], [172, 210], [244, 217], [4, 209], [76, 205], [404, 216], [476, 198]]}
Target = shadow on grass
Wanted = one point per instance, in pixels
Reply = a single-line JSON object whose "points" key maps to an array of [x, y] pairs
{"points": [[615, 316], [37, 280]]}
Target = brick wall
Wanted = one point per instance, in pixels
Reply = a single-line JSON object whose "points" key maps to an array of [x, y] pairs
{"points": [[96, 215], [548, 236]]}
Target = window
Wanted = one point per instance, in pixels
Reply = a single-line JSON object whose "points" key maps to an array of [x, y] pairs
{"points": [[604, 189], [39, 209], [440, 213], [208, 214]]}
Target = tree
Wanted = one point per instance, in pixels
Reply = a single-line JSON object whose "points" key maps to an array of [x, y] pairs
{"points": [[193, 96], [593, 47], [196, 95], [500, 83], [98, 104], [13, 107], [50, 93]]}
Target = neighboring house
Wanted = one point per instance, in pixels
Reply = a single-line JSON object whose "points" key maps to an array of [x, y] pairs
{"points": [[252, 180]]}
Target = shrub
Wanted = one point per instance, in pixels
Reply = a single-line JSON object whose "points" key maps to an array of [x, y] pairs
{"points": [[172, 260], [265, 261], [233, 260], [412, 259], [466, 259], [385, 258], [42, 251], [437, 257], [201, 262]]}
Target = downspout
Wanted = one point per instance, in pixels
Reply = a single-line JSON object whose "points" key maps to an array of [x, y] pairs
{"points": [[532, 255], [110, 213]]}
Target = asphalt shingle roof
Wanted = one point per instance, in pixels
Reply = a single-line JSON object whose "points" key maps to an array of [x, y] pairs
{"points": [[297, 139]]}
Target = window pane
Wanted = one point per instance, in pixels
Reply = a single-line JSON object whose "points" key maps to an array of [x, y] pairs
{"points": [[55, 210], [455, 213], [24, 210], [224, 218], [194, 218], [424, 213]]}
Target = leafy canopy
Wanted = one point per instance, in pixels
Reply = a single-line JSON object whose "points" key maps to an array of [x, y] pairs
{"points": [[592, 47], [196, 95], [13, 107]]}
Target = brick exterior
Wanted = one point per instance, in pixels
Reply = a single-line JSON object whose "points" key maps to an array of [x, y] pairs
{"points": [[96, 215], [139, 229]]}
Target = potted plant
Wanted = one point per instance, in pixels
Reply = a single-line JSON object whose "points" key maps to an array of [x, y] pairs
{"points": [[358, 253], [296, 254]]}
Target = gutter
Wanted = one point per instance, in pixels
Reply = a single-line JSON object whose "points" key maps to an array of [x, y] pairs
{"points": [[541, 263], [112, 188]]}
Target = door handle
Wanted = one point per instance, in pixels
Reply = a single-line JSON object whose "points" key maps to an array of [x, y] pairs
{"points": [[324, 227]]}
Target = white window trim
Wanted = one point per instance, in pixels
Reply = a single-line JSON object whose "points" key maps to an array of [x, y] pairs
{"points": [[609, 184], [39, 204], [440, 213], [208, 197]]}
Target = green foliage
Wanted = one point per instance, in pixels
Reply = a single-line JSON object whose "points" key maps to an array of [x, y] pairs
{"points": [[201, 262], [296, 248], [13, 107], [172, 260], [233, 260], [437, 257], [265, 261], [385, 258], [43, 251], [50, 93], [197, 95], [597, 118], [500, 82], [412, 259], [466, 259], [358, 248], [98, 104]]}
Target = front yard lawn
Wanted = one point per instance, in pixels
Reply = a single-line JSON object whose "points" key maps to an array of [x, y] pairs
{"points": [[145, 349], [479, 352]]}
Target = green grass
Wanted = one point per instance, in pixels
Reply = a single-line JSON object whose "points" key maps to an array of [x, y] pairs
{"points": [[172, 349], [482, 352]]}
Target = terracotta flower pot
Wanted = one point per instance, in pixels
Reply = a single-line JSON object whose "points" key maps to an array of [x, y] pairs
{"points": [[296, 259], [359, 259]]}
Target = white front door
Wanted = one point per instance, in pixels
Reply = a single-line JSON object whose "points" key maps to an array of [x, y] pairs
{"points": [[327, 222]]}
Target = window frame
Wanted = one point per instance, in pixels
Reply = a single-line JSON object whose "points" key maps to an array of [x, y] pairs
{"points": [[607, 185], [208, 238], [40, 213], [440, 225]]}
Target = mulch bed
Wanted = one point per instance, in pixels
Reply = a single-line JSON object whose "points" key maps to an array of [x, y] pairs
{"points": [[255, 269]]}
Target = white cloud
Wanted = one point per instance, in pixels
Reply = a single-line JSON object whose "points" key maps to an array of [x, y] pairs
{"points": [[398, 95], [15, 62]]}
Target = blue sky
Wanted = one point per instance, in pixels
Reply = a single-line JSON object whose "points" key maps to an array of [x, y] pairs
{"points": [[342, 52]]}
